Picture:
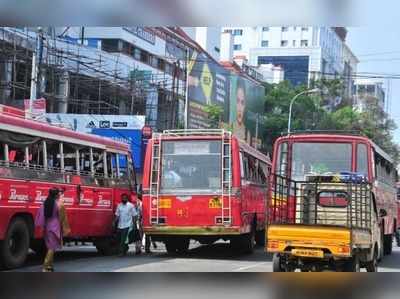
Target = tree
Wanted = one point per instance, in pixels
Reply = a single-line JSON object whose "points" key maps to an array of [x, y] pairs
{"points": [[215, 113]]}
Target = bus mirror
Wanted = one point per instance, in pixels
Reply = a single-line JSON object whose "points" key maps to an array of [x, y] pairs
{"points": [[382, 213]]}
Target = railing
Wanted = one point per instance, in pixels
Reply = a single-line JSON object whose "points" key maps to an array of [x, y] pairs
{"points": [[320, 200]]}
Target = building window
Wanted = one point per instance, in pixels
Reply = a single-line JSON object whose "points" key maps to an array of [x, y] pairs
{"points": [[110, 45], [136, 53], [284, 43], [161, 64], [304, 28], [237, 47], [264, 43], [304, 43], [228, 31], [285, 29], [294, 43], [238, 32], [144, 56], [216, 49], [265, 29]]}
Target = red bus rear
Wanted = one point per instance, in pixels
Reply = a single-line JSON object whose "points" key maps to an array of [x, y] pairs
{"points": [[204, 185], [92, 171], [301, 155]]}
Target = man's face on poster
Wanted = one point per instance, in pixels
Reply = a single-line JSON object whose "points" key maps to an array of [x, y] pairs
{"points": [[241, 103]]}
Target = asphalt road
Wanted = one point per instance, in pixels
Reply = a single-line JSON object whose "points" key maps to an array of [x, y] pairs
{"points": [[214, 258]]}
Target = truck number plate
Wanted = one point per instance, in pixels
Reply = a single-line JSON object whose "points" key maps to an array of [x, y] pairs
{"points": [[308, 253]]}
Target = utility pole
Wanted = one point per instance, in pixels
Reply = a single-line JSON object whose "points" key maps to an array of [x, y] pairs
{"points": [[186, 112], [36, 55]]}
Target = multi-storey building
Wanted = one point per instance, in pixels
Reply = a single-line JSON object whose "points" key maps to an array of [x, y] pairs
{"points": [[368, 89], [304, 53]]}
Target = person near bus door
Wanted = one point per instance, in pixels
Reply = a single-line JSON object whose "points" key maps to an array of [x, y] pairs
{"points": [[125, 220], [147, 241], [52, 218]]}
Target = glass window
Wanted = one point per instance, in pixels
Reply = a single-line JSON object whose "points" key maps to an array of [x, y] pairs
{"points": [[191, 167], [238, 32], [320, 159], [265, 29], [264, 43], [362, 159], [284, 43], [304, 43], [282, 159], [294, 43], [284, 29], [237, 47], [304, 28]]}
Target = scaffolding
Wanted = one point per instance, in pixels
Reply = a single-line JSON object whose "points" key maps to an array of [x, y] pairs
{"points": [[75, 78]]}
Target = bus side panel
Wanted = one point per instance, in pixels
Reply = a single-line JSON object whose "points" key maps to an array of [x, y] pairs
{"points": [[253, 207], [14, 197], [386, 199]]}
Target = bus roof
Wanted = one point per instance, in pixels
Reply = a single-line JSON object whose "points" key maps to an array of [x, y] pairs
{"points": [[338, 138], [19, 124]]}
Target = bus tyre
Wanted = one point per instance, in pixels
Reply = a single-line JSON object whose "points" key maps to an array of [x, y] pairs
{"points": [[372, 266], [39, 247], [107, 246], [387, 244], [177, 246], [353, 264], [15, 247], [277, 263], [260, 238]]}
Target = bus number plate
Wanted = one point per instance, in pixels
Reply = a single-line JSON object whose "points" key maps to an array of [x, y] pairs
{"points": [[214, 203]]}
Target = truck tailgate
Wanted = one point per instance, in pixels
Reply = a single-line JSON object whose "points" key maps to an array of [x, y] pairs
{"points": [[335, 240]]}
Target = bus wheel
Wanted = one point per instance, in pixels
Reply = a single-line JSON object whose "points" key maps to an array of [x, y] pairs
{"points": [[387, 244], [177, 245], [277, 263], [352, 265], [15, 247], [39, 247], [107, 246], [260, 237], [372, 266]]}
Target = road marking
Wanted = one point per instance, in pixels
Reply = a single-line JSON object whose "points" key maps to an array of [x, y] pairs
{"points": [[249, 267]]}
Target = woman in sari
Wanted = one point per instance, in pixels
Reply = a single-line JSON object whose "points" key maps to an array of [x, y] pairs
{"points": [[52, 219]]}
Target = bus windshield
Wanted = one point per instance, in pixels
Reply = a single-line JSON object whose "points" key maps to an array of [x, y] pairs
{"points": [[320, 158], [190, 167]]}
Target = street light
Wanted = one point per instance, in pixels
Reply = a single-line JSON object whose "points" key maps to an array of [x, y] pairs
{"points": [[315, 90]]}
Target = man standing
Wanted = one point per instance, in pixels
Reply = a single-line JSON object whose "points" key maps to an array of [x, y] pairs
{"points": [[125, 215]]}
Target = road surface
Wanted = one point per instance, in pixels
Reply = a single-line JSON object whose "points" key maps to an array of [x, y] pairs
{"points": [[214, 258]]}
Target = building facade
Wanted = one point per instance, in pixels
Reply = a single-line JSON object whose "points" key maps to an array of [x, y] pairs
{"points": [[368, 89], [304, 53], [209, 38]]}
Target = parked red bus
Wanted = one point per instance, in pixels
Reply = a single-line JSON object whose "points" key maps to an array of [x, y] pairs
{"points": [[297, 156], [92, 171], [204, 185]]}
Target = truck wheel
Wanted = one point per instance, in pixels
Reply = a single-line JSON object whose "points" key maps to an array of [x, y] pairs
{"points": [[260, 238], [177, 246], [15, 247], [277, 263], [352, 265], [387, 244], [372, 266], [107, 246]]}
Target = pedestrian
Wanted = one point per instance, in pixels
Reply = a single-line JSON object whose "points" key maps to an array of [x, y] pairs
{"points": [[139, 227], [125, 215], [52, 218]]}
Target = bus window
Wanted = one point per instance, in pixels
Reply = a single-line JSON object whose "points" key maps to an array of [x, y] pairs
{"points": [[98, 162], [123, 166], [282, 159], [362, 159], [112, 164], [84, 160]]}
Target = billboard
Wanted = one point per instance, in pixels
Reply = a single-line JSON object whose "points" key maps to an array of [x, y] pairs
{"points": [[124, 128], [246, 100], [132, 137], [208, 83]]}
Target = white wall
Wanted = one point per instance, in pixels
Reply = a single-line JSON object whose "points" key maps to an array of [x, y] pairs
{"points": [[226, 47]]}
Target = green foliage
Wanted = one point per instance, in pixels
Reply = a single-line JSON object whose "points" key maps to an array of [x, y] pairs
{"points": [[308, 114], [215, 113]]}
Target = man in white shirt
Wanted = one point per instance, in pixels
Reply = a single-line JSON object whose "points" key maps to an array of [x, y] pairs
{"points": [[125, 214]]}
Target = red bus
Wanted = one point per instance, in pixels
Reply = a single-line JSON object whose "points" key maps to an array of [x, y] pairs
{"points": [[204, 185], [299, 155], [92, 171]]}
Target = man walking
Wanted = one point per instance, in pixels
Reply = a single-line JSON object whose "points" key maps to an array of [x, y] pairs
{"points": [[125, 215]]}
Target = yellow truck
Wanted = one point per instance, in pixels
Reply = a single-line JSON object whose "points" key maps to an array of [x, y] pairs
{"points": [[324, 223]]}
